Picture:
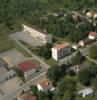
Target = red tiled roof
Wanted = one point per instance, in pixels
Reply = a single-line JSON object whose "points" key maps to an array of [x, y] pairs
{"points": [[93, 33], [26, 66], [45, 83], [61, 46], [27, 96]]}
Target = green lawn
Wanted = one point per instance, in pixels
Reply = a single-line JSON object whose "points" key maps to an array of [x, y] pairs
{"points": [[5, 43], [87, 98], [20, 49], [60, 40], [51, 62]]}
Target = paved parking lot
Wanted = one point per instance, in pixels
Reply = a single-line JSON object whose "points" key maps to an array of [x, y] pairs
{"points": [[10, 85], [27, 38], [12, 57]]}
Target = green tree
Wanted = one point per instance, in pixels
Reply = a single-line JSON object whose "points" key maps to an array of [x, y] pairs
{"points": [[95, 84], [67, 84], [92, 69], [77, 59], [68, 95], [93, 52], [45, 51], [42, 96], [84, 77], [34, 90], [54, 73]]}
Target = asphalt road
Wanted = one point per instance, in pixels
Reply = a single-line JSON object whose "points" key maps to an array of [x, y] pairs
{"points": [[25, 87]]}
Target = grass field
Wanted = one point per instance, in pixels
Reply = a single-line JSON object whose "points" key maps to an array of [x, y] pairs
{"points": [[20, 49], [51, 62], [5, 42]]}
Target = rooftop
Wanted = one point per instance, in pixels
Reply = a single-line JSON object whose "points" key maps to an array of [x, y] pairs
{"points": [[36, 28], [59, 14], [86, 40], [3, 68], [27, 65], [27, 96], [45, 83], [93, 33], [79, 67], [86, 91], [61, 46]]}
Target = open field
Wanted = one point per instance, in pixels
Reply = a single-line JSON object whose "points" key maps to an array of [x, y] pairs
{"points": [[51, 62]]}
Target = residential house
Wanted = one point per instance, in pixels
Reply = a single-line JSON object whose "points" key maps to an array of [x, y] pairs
{"points": [[86, 92], [26, 96], [95, 16], [61, 50], [92, 35], [78, 68], [45, 85], [84, 42], [89, 14]]}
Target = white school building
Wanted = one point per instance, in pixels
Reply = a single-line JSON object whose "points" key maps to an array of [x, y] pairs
{"points": [[44, 36]]}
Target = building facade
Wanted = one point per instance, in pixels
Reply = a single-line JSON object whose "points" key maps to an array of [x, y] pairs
{"points": [[7, 76], [61, 50], [28, 68], [45, 37]]}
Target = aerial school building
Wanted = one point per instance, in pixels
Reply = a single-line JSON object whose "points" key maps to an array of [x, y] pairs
{"points": [[43, 35]]}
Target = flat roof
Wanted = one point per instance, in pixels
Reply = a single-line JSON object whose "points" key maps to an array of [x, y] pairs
{"points": [[86, 91], [3, 69], [61, 46], [10, 85], [26, 66], [37, 29]]}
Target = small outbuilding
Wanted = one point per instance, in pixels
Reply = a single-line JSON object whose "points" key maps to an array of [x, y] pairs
{"points": [[92, 35], [86, 92], [74, 46]]}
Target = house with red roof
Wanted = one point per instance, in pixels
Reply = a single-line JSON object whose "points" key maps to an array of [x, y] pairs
{"points": [[61, 50], [92, 35], [45, 85], [28, 68], [26, 96]]}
